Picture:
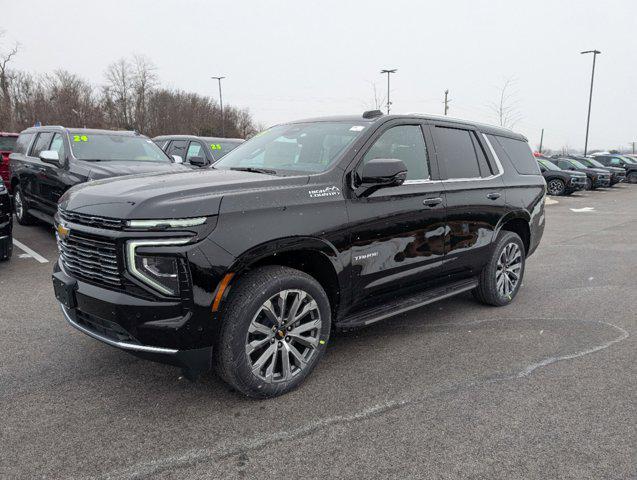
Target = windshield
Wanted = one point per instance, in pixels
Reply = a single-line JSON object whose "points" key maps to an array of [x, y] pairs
{"points": [[220, 148], [104, 147], [628, 159], [548, 165], [7, 143], [577, 164], [594, 163], [294, 148]]}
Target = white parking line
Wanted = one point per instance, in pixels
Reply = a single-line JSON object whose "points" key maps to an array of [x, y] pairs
{"points": [[29, 252]]}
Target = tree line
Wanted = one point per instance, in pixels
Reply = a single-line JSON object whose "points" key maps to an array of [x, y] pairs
{"points": [[131, 98]]}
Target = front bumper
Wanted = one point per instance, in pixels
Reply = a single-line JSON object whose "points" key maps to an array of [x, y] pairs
{"points": [[577, 183], [602, 182], [148, 329]]}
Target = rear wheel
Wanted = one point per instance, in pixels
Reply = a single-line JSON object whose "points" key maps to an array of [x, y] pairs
{"points": [[556, 187], [20, 207], [500, 279], [275, 327]]}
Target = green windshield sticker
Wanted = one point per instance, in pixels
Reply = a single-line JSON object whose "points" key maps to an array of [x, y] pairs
{"points": [[80, 138], [215, 146]]}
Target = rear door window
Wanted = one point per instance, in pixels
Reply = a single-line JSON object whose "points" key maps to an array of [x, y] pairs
{"points": [[42, 143], [195, 150], [457, 152], [520, 155]]}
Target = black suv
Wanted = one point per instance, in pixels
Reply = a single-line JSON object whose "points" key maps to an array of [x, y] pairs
{"points": [[49, 160], [627, 163], [617, 174], [197, 151], [331, 222], [558, 181], [595, 177], [6, 223]]}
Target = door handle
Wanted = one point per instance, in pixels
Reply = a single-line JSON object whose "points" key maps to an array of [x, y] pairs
{"points": [[493, 196], [432, 202]]}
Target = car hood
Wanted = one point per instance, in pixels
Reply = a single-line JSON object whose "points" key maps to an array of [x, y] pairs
{"points": [[594, 171], [575, 173], [99, 170], [167, 195]]}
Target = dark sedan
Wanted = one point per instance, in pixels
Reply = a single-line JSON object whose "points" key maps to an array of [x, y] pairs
{"points": [[558, 181], [595, 177]]}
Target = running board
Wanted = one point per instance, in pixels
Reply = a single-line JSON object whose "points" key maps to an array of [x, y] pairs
{"points": [[405, 304], [41, 216]]}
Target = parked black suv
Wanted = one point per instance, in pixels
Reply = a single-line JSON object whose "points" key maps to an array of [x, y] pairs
{"points": [[558, 181], [617, 174], [49, 160], [6, 223], [595, 177], [340, 221], [197, 151], [627, 163]]}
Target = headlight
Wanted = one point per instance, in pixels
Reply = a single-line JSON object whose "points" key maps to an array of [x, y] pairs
{"points": [[160, 272], [167, 223]]}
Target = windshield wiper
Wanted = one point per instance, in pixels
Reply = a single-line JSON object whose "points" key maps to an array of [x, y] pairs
{"points": [[266, 171]]}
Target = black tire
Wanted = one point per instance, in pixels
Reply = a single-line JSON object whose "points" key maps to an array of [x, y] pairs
{"points": [[245, 305], [20, 207], [487, 290], [589, 184], [556, 187], [6, 249], [631, 177]]}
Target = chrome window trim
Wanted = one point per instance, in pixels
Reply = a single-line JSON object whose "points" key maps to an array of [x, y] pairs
{"points": [[114, 343], [131, 247]]}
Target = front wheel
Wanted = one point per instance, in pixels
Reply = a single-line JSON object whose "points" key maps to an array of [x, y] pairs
{"points": [[501, 277], [6, 248], [275, 327], [20, 207], [632, 177], [589, 184], [556, 187]]}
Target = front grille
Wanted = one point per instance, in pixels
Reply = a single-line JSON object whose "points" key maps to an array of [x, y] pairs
{"points": [[91, 220], [91, 258]]}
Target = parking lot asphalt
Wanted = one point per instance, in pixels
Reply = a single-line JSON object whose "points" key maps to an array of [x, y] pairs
{"points": [[543, 388]]}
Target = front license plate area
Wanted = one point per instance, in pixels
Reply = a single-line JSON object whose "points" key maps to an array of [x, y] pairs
{"points": [[65, 292]]}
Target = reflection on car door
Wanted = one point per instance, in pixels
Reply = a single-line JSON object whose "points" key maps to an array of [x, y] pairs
{"points": [[474, 188], [34, 168], [54, 180], [397, 232]]}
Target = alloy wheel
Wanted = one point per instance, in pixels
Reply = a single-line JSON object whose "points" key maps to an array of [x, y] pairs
{"points": [[509, 268], [555, 187], [283, 336]]}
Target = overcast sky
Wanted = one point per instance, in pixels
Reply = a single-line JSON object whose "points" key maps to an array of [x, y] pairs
{"points": [[292, 59]]}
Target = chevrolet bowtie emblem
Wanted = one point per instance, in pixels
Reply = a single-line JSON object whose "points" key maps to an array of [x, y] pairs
{"points": [[63, 232]]}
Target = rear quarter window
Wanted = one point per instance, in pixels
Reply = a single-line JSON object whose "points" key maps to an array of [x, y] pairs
{"points": [[520, 155], [23, 142]]}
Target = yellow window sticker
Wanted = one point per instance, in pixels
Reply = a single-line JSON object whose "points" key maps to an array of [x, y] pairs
{"points": [[215, 146], [80, 138]]}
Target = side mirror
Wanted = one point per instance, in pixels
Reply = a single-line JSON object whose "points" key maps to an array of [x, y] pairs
{"points": [[177, 159], [50, 156], [542, 169], [382, 172], [197, 161]]}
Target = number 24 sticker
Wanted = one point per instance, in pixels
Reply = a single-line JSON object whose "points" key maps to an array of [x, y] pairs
{"points": [[80, 138], [215, 146]]}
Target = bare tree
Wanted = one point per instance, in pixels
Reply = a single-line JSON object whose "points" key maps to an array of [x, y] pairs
{"points": [[6, 112], [144, 81], [506, 108], [378, 100], [118, 93]]}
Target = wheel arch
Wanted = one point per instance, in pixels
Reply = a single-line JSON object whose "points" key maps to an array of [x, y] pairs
{"points": [[517, 222], [313, 256]]}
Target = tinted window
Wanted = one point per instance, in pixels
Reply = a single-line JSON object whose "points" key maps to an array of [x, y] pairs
{"points": [[520, 155], [563, 164], [58, 145], [195, 150], [42, 143], [7, 144], [406, 143], [485, 167], [177, 147], [23, 142], [457, 152]]}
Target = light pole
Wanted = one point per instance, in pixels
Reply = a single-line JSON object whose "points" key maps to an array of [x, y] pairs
{"points": [[223, 125], [590, 98], [388, 72]]}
